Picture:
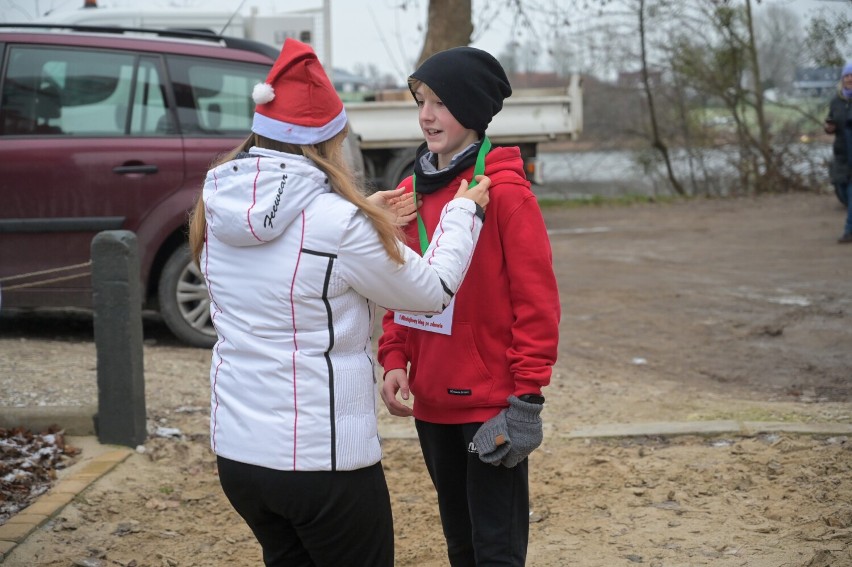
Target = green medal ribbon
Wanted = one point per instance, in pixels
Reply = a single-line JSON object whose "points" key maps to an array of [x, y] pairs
{"points": [[478, 169]]}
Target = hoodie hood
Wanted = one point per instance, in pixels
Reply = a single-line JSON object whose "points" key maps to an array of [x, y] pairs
{"points": [[504, 164], [254, 198]]}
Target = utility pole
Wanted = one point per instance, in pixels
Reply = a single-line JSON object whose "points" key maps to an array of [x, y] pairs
{"points": [[326, 38]]}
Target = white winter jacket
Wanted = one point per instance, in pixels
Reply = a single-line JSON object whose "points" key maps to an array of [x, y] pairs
{"points": [[294, 273]]}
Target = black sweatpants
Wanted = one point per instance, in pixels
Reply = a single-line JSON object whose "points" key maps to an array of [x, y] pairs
{"points": [[313, 519], [484, 509]]}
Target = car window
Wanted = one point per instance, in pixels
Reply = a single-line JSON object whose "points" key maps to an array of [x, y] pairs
{"points": [[214, 97], [82, 93], [149, 110]]}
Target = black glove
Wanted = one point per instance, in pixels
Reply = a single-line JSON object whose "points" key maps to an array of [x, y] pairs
{"points": [[511, 435]]}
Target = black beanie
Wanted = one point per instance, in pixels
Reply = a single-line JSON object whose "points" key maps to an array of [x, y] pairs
{"points": [[470, 82]]}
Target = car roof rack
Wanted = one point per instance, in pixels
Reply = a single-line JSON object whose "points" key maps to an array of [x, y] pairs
{"points": [[182, 33]]}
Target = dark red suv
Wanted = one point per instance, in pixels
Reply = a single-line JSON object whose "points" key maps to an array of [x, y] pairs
{"points": [[114, 129]]}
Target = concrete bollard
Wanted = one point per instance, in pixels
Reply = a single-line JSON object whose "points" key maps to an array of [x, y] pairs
{"points": [[117, 302]]}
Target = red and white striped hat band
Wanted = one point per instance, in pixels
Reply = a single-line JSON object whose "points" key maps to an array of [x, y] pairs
{"points": [[297, 104]]}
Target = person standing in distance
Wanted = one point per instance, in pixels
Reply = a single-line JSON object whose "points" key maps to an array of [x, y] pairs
{"points": [[295, 259], [476, 371], [839, 123]]}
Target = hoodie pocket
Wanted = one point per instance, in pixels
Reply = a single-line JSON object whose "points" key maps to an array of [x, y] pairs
{"points": [[450, 371]]}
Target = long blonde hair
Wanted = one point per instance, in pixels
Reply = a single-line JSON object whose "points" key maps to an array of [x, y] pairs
{"points": [[329, 158]]}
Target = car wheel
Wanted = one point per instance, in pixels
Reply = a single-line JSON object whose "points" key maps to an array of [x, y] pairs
{"points": [[184, 302]]}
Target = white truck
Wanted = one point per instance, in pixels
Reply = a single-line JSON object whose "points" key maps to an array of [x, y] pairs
{"points": [[387, 130]]}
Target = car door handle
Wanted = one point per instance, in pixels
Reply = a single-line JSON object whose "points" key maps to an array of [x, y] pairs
{"points": [[131, 169]]}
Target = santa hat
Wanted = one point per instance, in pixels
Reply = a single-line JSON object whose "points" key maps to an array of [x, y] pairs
{"points": [[297, 104]]}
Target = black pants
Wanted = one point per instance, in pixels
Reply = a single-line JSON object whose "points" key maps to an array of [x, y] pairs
{"points": [[484, 509], [313, 519]]}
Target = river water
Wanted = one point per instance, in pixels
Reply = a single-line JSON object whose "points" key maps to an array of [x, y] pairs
{"points": [[614, 173]]}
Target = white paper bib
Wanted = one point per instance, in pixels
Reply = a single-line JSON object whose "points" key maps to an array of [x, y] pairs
{"points": [[441, 323]]}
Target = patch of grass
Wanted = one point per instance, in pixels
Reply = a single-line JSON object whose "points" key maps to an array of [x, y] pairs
{"points": [[803, 115]]}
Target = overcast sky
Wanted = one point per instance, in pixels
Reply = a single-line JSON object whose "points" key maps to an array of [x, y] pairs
{"points": [[372, 31], [363, 31]]}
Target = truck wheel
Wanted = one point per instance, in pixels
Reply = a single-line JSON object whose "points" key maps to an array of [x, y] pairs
{"points": [[399, 167], [184, 303]]}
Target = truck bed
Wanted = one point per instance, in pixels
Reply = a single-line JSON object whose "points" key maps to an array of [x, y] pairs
{"points": [[528, 116]]}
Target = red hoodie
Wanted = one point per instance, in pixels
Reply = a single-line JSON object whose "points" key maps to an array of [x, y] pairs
{"points": [[505, 326]]}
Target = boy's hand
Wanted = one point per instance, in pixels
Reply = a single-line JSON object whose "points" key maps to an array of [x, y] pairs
{"points": [[478, 193], [396, 381], [509, 437], [492, 439], [523, 421]]}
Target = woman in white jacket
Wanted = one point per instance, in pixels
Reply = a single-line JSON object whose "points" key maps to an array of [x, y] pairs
{"points": [[296, 259]]}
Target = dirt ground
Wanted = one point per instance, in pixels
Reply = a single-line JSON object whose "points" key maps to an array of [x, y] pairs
{"points": [[699, 310]]}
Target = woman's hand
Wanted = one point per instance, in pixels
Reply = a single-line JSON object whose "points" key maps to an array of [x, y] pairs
{"points": [[400, 205], [478, 193]]}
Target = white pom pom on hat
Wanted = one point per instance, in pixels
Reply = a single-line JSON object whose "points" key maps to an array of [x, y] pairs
{"points": [[297, 104], [262, 93]]}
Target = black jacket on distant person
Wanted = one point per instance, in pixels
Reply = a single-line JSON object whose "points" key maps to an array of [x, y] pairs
{"points": [[840, 114]]}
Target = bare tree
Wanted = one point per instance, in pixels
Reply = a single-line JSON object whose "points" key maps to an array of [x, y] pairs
{"points": [[509, 58], [633, 30], [779, 40], [689, 54], [656, 139], [771, 176], [449, 25], [826, 38], [718, 55]]}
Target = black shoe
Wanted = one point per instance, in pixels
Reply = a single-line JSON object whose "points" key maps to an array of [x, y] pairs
{"points": [[845, 239]]}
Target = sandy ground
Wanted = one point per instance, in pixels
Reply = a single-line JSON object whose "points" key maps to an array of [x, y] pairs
{"points": [[700, 310]]}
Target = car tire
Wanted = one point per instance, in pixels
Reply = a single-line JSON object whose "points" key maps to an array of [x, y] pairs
{"points": [[184, 302]]}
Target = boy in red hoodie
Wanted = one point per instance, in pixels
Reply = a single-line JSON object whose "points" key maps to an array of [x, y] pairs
{"points": [[476, 371]]}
